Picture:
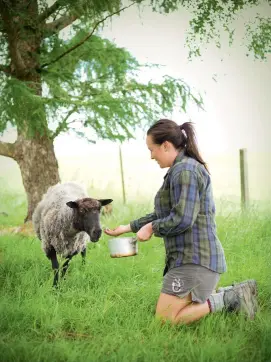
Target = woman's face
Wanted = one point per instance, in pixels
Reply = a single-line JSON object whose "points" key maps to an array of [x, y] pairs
{"points": [[158, 152]]}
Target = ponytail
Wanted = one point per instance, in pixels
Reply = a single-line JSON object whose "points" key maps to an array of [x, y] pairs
{"points": [[189, 143]]}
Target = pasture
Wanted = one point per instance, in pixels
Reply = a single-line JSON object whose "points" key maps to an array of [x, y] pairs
{"points": [[104, 310]]}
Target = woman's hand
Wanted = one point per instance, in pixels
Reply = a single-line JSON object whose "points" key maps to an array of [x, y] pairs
{"points": [[119, 230], [145, 232]]}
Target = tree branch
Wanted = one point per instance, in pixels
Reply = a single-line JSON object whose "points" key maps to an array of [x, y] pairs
{"points": [[48, 12], [61, 126], [59, 24], [88, 36], [6, 69], [7, 149]]}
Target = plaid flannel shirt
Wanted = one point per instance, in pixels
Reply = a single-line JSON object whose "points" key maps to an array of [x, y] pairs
{"points": [[184, 215]]}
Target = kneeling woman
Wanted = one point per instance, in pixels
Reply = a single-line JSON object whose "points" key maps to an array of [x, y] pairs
{"points": [[184, 216]]}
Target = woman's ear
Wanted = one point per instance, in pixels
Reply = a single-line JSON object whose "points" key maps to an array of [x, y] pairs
{"points": [[166, 146]]}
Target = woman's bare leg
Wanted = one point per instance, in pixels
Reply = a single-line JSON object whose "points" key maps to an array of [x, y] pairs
{"points": [[180, 310]]}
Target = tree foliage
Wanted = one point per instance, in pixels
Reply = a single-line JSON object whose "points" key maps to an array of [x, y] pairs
{"points": [[259, 34], [101, 86], [212, 18], [86, 80]]}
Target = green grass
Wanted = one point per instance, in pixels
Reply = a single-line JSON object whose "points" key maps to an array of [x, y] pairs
{"points": [[104, 311]]}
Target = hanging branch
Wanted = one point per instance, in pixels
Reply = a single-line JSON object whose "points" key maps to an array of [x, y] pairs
{"points": [[62, 125], [87, 37]]}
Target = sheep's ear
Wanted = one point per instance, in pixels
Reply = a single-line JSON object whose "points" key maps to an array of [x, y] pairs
{"points": [[105, 201], [72, 204]]}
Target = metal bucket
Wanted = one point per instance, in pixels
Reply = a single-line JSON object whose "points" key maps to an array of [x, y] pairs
{"points": [[121, 247]]}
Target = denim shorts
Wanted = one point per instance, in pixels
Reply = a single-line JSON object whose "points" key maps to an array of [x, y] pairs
{"points": [[190, 278]]}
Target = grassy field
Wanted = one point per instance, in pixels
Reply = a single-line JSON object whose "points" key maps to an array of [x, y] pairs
{"points": [[104, 311]]}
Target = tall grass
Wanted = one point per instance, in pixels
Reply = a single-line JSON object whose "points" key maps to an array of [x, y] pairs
{"points": [[104, 310]]}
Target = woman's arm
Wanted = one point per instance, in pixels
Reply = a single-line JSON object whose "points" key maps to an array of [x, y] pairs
{"points": [[119, 230], [136, 225]]}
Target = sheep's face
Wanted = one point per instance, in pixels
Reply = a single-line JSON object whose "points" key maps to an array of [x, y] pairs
{"points": [[87, 216]]}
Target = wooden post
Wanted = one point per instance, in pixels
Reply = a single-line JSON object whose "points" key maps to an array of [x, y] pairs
{"points": [[122, 176], [244, 178]]}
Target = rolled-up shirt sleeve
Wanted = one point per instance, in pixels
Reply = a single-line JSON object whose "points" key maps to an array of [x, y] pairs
{"points": [[184, 194], [137, 224]]}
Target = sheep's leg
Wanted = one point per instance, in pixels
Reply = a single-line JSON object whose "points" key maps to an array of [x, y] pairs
{"points": [[83, 253], [51, 254], [66, 264]]}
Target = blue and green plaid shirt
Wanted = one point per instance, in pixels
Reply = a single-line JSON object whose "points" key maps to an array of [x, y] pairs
{"points": [[184, 215]]}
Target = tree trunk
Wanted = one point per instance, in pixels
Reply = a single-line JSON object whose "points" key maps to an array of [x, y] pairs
{"points": [[33, 150], [39, 168]]}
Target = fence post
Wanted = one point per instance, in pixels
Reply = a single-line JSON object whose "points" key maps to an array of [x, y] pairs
{"points": [[122, 176], [244, 178]]}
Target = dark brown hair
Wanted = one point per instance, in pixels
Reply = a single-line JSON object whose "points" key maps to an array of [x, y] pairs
{"points": [[182, 137]]}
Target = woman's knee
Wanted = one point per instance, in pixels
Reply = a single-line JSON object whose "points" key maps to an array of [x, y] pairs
{"points": [[169, 306]]}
